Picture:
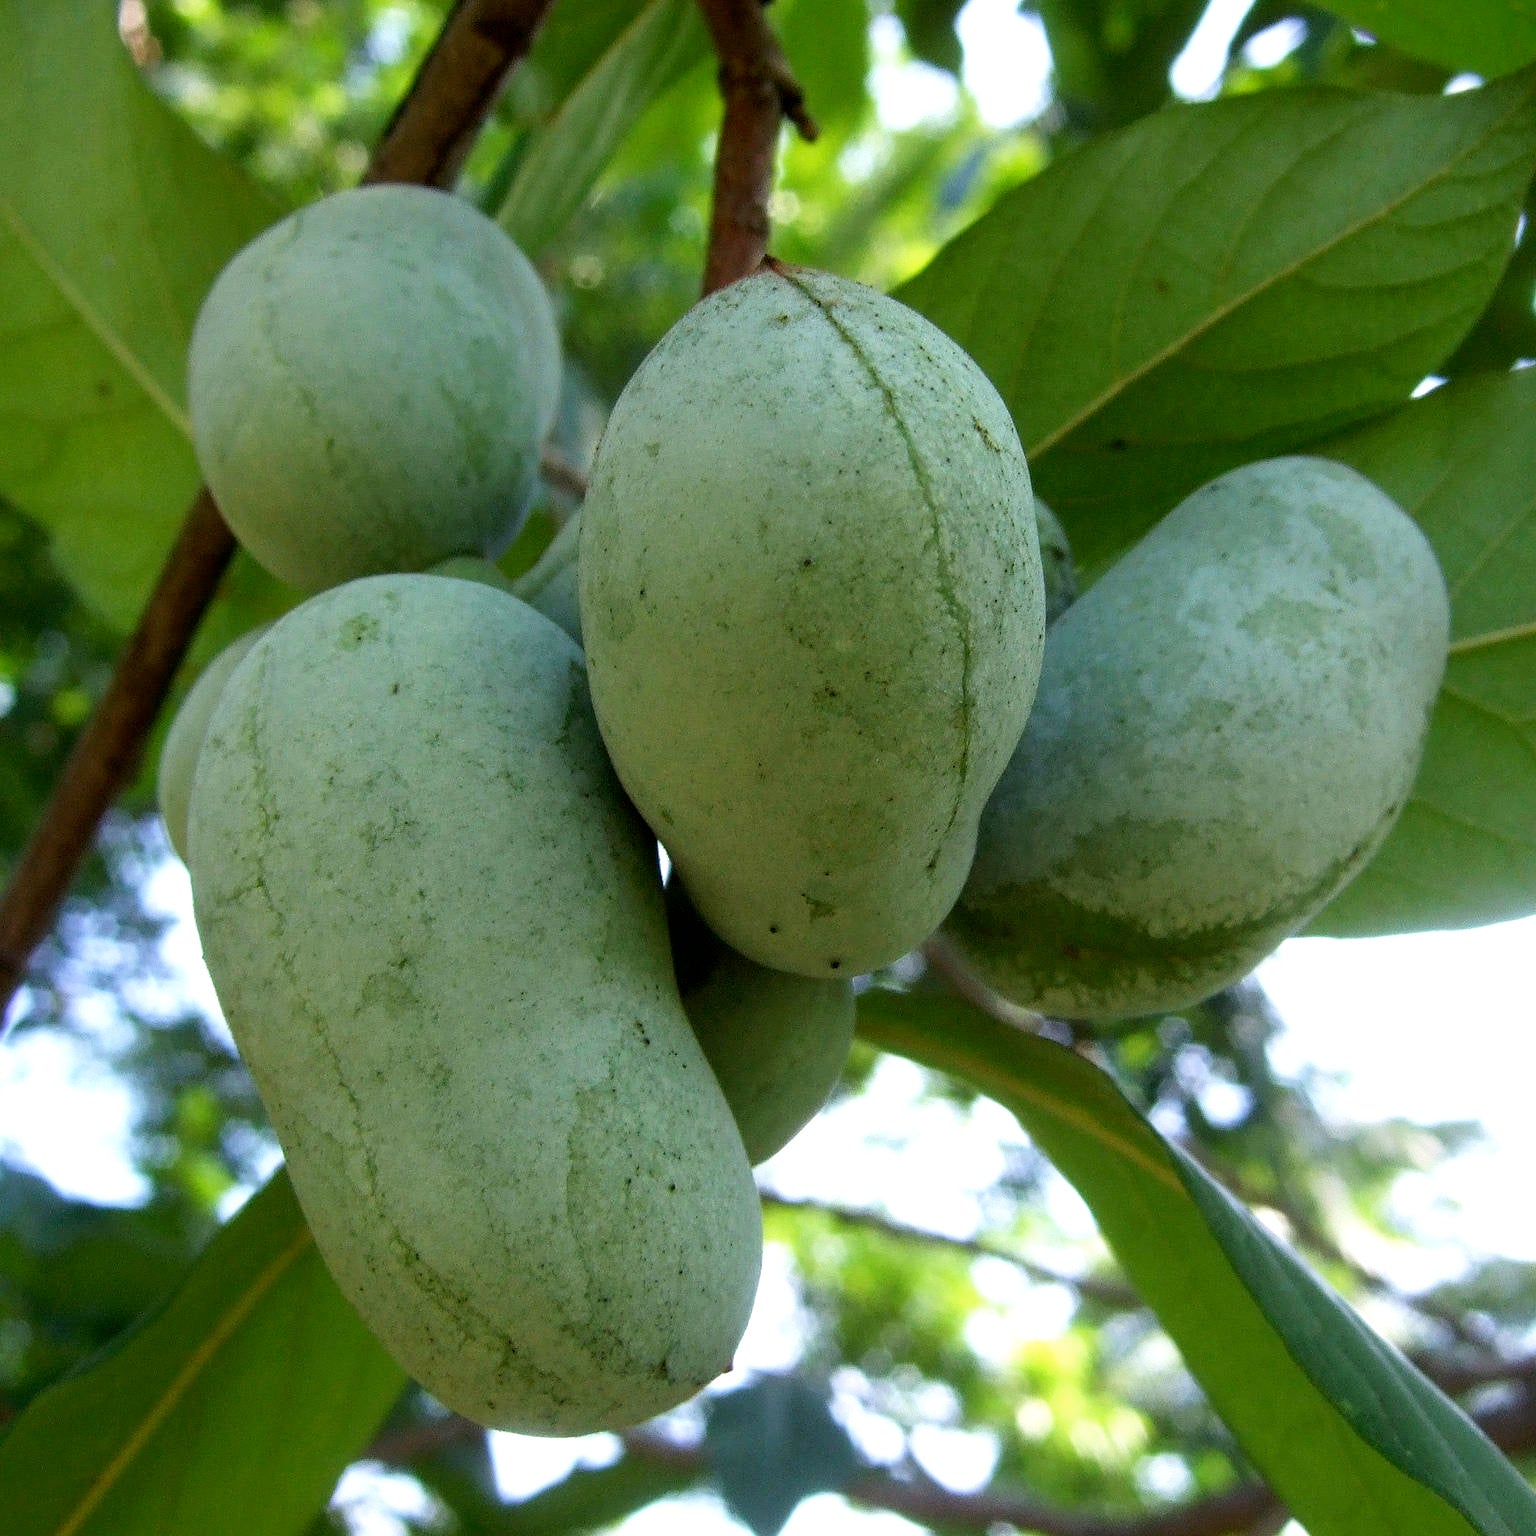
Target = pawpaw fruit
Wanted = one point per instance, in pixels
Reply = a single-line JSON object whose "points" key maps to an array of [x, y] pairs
{"points": [[1228, 723], [777, 1043], [813, 612], [438, 933], [369, 383]]}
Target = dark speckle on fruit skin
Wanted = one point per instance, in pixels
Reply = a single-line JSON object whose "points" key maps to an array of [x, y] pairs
{"points": [[356, 631]]}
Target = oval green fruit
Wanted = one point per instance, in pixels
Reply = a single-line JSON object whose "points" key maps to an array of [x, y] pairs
{"points": [[550, 584], [439, 936], [776, 1043], [813, 613], [184, 739], [1056, 563], [369, 384], [1228, 723]]}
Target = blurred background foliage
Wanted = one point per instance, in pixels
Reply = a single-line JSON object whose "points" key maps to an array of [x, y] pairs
{"points": [[988, 1344]]}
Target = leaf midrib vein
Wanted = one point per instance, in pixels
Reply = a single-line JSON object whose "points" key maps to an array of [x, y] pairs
{"points": [[93, 320], [182, 1382], [1222, 312]]}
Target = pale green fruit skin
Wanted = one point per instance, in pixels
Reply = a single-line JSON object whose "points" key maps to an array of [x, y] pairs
{"points": [[369, 382], [550, 585], [1056, 563], [776, 1043], [813, 613], [184, 739], [1227, 726], [438, 934]]}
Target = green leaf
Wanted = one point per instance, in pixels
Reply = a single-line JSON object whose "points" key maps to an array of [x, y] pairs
{"points": [[1222, 282], [1487, 36], [1350, 1436], [1111, 60], [569, 44], [1462, 460], [931, 34], [827, 45], [772, 1444], [95, 1265], [230, 1412], [559, 164], [114, 220]]}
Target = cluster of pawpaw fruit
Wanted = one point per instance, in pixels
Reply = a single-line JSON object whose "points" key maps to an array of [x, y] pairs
{"points": [[795, 634]]}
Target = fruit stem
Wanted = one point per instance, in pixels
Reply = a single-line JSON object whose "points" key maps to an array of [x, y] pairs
{"points": [[759, 91]]}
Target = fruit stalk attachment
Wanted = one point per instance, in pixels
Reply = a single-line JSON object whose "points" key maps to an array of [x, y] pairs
{"points": [[431, 129], [760, 91]]}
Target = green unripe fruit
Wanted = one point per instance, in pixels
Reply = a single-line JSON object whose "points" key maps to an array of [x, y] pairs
{"points": [[1228, 724], [438, 933], [813, 613], [777, 1043], [184, 740], [370, 381], [550, 585], [1056, 562]]}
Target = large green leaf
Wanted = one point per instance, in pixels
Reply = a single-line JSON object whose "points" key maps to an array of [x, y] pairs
{"points": [[231, 1412], [1354, 1439], [563, 158], [114, 220], [1463, 461], [1489, 36], [1225, 281]]}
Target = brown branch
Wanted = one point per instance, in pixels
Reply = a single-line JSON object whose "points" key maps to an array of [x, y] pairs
{"points": [[1247, 1509], [759, 90], [562, 475], [1457, 1376], [1109, 1293], [1270, 1523], [428, 137], [105, 756], [402, 1447], [454, 90]]}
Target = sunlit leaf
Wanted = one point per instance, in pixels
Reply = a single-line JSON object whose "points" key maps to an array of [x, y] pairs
{"points": [[230, 1412], [1222, 282], [114, 220], [564, 157], [1463, 461], [1354, 1440], [1488, 36]]}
